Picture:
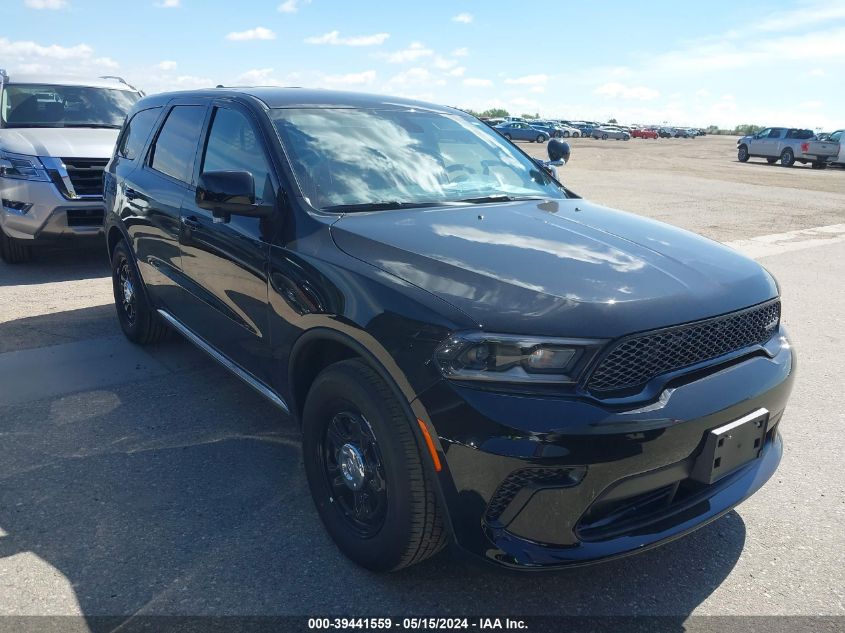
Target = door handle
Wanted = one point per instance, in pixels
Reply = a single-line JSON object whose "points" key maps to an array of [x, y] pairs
{"points": [[191, 222]]}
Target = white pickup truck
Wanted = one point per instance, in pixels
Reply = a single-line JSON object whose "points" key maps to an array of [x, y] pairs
{"points": [[787, 145]]}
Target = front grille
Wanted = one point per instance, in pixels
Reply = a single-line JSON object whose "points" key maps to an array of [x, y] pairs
{"points": [[86, 175], [637, 359], [520, 479]]}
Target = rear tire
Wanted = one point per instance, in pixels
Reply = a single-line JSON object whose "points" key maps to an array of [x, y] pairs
{"points": [[604, 137], [393, 520], [14, 251], [139, 322], [787, 158], [565, 134], [742, 154], [508, 136]]}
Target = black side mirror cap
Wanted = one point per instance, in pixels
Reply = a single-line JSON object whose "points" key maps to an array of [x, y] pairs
{"points": [[229, 193]]}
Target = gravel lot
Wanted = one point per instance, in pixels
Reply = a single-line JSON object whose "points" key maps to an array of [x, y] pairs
{"points": [[152, 482]]}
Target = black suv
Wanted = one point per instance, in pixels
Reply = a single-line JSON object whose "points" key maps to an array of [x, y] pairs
{"points": [[472, 351]]}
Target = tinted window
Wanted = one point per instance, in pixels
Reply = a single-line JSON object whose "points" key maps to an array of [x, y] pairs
{"points": [[233, 145], [32, 105], [136, 133], [776, 132], [176, 145], [836, 136]]}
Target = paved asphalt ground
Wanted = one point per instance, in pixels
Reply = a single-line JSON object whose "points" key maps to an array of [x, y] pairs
{"points": [[152, 482]]}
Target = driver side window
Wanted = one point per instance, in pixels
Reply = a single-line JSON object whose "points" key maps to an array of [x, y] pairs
{"points": [[234, 145]]}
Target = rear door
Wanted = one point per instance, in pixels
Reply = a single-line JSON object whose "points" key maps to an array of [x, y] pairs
{"points": [[154, 196], [225, 263]]}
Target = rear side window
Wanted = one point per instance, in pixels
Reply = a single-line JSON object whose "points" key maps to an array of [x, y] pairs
{"points": [[136, 133], [176, 145], [775, 133]]}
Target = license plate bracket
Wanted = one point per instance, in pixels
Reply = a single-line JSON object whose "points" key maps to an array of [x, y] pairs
{"points": [[730, 446]]}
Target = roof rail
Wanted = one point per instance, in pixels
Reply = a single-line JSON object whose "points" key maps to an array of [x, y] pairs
{"points": [[121, 80]]}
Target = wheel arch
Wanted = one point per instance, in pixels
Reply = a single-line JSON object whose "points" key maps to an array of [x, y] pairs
{"points": [[321, 346]]}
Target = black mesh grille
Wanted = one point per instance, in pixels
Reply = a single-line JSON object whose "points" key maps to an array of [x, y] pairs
{"points": [[637, 359], [86, 175], [520, 479]]}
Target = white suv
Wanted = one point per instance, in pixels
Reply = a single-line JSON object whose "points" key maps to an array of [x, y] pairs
{"points": [[56, 136]]}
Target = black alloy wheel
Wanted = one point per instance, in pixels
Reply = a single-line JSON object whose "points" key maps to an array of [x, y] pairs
{"points": [[365, 469], [139, 322]]}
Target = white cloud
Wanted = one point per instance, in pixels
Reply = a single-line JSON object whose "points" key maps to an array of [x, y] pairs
{"points": [[106, 62], [416, 75], [26, 49], [538, 89], [415, 51], [463, 18], [476, 82], [460, 52], [443, 63], [292, 6], [257, 76], [805, 16], [457, 72], [166, 65], [52, 5], [258, 33], [528, 80], [169, 4], [333, 38], [349, 79], [615, 90], [817, 72]]}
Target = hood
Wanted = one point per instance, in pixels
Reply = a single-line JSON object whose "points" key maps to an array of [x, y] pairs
{"points": [[557, 268], [75, 142]]}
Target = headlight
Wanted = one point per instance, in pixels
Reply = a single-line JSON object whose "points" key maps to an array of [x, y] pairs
{"points": [[22, 167], [514, 359]]}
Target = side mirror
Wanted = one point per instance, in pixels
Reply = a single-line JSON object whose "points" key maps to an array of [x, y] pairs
{"points": [[226, 193]]}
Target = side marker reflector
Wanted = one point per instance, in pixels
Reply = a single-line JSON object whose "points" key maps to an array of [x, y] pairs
{"points": [[430, 443]]}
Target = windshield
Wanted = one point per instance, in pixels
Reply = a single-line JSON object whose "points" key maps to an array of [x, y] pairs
{"points": [[32, 105], [382, 158]]}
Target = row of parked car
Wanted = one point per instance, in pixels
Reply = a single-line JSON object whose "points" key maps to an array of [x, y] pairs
{"points": [[539, 131]]}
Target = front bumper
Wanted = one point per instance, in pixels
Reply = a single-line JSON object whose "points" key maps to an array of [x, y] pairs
{"points": [[535, 482], [49, 216]]}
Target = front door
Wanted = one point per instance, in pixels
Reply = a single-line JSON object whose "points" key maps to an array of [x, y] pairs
{"points": [[225, 262]]}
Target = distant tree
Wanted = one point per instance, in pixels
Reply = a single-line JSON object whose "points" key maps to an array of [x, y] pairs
{"points": [[470, 111], [536, 115], [612, 121], [495, 113], [746, 129]]}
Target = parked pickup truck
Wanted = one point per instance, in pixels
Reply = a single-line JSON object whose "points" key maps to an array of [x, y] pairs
{"points": [[787, 145]]}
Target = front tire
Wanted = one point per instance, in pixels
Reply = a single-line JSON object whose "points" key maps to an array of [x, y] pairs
{"points": [[742, 154], [787, 158], [365, 470], [604, 137], [541, 138], [14, 251], [139, 322]]}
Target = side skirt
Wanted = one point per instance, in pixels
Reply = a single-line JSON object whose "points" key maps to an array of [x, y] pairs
{"points": [[241, 373]]}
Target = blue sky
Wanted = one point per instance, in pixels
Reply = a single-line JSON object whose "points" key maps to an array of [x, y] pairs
{"points": [[724, 62]]}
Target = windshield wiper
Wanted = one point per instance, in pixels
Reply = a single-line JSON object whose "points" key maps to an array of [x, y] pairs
{"points": [[385, 205], [498, 198]]}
